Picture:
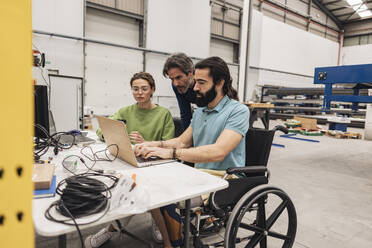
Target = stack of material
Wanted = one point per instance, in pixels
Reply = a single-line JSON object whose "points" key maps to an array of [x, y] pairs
{"points": [[343, 135], [304, 126]]}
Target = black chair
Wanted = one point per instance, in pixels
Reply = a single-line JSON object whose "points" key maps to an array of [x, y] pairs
{"points": [[249, 208], [178, 129]]}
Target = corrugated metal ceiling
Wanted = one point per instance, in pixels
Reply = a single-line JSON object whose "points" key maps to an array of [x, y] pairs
{"points": [[347, 11]]}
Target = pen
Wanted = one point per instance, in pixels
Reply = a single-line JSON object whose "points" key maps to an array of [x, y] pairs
{"points": [[134, 182]]}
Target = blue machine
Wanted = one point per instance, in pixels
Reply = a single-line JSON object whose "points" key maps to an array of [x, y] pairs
{"points": [[346, 74]]}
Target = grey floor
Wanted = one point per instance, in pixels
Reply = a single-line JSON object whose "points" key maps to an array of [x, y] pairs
{"points": [[330, 183]]}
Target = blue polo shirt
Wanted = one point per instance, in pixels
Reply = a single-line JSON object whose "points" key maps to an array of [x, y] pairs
{"points": [[208, 124]]}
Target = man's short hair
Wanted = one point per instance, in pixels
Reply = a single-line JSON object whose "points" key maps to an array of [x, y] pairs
{"points": [[178, 60]]}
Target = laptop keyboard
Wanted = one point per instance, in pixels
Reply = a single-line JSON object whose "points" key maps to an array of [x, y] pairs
{"points": [[142, 160]]}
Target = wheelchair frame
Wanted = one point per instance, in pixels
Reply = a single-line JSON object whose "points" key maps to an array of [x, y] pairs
{"points": [[248, 194]]}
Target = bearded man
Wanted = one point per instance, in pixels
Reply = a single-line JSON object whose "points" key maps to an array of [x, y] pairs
{"points": [[215, 139]]}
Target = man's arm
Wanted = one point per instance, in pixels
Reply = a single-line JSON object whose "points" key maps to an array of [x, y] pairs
{"points": [[183, 141], [216, 152], [185, 108]]}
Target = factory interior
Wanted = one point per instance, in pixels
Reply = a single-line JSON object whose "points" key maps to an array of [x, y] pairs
{"points": [[186, 123]]}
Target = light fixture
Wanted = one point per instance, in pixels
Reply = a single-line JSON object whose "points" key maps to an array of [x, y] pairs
{"points": [[360, 7], [354, 2], [365, 13]]}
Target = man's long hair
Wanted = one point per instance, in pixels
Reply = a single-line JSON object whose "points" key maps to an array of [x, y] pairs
{"points": [[219, 70]]}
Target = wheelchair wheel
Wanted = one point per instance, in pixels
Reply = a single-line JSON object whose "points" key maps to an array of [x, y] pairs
{"points": [[264, 217]]}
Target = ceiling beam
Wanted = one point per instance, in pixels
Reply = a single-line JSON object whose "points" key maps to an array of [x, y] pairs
{"points": [[351, 14], [358, 20], [353, 11], [328, 13], [340, 8], [346, 14], [332, 2]]}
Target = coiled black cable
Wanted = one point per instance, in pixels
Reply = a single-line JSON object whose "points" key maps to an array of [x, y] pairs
{"points": [[81, 195]]}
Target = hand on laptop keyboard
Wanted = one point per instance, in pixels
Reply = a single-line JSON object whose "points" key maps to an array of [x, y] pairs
{"points": [[141, 159]]}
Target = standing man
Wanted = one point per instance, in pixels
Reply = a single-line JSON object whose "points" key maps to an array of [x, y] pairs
{"points": [[179, 69]]}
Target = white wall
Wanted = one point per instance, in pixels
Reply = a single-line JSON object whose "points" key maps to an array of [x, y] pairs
{"points": [[179, 25], [62, 55], [223, 49], [109, 69], [290, 49], [278, 46], [56, 16], [63, 17], [352, 55], [110, 27]]}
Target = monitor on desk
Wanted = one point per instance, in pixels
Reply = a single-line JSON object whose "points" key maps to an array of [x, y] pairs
{"points": [[41, 110]]}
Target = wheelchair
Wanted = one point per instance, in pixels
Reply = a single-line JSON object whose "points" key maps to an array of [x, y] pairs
{"points": [[253, 213]]}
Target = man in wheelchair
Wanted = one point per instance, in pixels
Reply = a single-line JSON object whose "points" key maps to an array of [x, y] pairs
{"points": [[216, 142]]}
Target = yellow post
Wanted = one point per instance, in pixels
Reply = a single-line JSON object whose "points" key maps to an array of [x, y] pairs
{"points": [[16, 124]]}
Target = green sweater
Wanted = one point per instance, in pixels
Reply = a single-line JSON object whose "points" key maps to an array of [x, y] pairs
{"points": [[153, 124]]}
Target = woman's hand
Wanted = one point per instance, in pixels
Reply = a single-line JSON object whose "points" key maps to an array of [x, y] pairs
{"points": [[136, 137], [151, 151]]}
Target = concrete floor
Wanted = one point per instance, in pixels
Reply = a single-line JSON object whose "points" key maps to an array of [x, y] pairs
{"points": [[330, 183]]}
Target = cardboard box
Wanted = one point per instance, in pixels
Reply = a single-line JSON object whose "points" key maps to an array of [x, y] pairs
{"points": [[43, 175], [307, 123]]}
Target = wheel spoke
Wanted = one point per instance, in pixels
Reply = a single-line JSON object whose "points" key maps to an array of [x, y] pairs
{"points": [[263, 242], [278, 235], [254, 241], [251, 227], [261, 222], [275, 215]]}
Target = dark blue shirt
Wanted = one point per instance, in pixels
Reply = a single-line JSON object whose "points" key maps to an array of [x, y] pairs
{"points": [[184, 103]]}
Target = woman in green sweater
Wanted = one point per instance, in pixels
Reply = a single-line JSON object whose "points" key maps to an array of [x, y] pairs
{"points": [[145, 121]]}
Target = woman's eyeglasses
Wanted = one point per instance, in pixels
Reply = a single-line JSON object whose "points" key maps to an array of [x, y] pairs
{"points": [[143, 89]]}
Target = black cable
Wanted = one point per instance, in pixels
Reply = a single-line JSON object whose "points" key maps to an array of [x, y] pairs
{"points": [[81, 195], [95, 158], [42, 144]]}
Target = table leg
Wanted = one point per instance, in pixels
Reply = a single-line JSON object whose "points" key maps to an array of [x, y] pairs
{"points": [[62, 241], [267, 119], [252, 117], [187, 224]]}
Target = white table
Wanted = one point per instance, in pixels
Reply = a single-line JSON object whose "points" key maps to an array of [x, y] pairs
{"points": [[166, 183]]}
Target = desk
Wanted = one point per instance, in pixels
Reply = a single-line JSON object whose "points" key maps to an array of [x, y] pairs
{"points": [[259, 110], [185, 182]]}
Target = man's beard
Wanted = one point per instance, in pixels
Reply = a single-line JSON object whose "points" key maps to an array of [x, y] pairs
{"points": [[206, 98]]}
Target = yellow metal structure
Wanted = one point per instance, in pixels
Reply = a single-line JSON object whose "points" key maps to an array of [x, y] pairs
{"points": [[16, 124]]}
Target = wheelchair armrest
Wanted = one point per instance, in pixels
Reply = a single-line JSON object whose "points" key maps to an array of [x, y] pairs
{"points": [[247, 170]]}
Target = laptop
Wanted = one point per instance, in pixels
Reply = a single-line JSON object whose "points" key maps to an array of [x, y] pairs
{"points": [[80, 137], [115, 132]]}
